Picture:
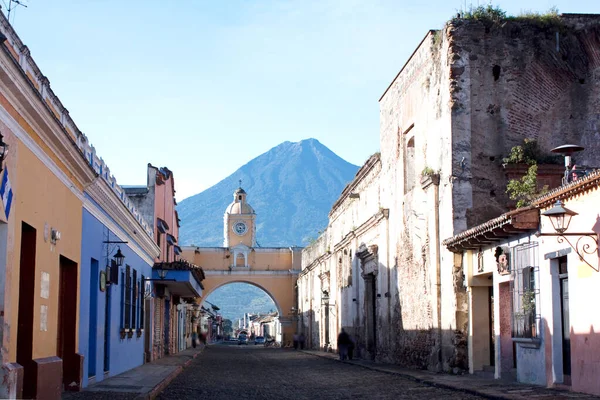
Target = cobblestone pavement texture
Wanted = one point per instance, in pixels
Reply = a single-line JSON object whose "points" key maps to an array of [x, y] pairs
{"points": [[253, 372]]}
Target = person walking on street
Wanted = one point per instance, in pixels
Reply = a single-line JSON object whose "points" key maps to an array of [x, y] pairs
{"points": [[350, 347], [301, 340], [194, 338], [343, 341], [296, 337]]}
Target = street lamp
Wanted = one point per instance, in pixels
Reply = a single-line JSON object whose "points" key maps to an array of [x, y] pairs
{"points": [[560, 218]]}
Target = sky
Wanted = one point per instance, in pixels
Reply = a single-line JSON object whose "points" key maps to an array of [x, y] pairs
{"points": [[203, 87]]}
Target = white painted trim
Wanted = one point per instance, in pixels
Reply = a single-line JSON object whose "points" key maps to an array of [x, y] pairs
{"points": [[20, 133], [100, 216]]}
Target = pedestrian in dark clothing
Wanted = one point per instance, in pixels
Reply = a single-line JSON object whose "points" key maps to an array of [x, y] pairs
{"points": [[350, 348], [194, 338], [343, 342], [301, 340], [295, 339]]}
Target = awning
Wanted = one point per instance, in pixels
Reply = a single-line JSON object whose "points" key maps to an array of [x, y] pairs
{"points": [[180, 277], [513, 223], [171, 239], [177, 249], [162, 226]]}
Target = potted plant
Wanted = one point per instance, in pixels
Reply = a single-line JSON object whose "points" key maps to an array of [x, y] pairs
{"points": [[428, 177]]}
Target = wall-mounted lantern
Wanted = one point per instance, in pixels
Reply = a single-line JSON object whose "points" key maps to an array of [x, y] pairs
{"points": [[560, 218], [3, 151], [119, 258], [325, 298], [162, 273]]}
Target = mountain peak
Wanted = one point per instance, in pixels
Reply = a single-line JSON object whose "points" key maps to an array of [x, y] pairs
{"points": [[291, 187]]}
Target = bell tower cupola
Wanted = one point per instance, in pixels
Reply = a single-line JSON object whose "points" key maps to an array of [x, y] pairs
{"points": [[239, 221]]}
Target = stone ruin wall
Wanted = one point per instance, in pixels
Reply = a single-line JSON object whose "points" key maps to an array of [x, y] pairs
{"points": [[520, 80], [416, 105]]}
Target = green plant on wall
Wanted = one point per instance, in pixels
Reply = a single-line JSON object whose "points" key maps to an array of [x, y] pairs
{"points": [[524, 190], [494, 14], [427, 171], [529, 153]]}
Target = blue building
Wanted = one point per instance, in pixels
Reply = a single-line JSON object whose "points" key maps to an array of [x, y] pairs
{"points": [[117, 255]]}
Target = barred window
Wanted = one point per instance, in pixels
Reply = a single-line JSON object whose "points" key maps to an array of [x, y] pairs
{"points": [[525, 291], [127, 297], [142, 301]]}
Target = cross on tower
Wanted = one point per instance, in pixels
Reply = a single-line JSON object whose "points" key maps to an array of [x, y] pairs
{"points": [[240, 183]]}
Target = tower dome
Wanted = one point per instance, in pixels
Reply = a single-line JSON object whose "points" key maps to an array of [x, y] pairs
{"points": [[239, 221]]}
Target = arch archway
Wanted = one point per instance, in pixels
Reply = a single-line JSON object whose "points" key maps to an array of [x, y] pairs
{"points": [[274, 270]]}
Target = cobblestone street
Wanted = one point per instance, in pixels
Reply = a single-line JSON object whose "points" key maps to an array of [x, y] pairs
{"points": [[256, 372]]}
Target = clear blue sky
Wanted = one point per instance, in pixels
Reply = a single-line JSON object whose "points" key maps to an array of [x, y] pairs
{"points": [[202, 87]]}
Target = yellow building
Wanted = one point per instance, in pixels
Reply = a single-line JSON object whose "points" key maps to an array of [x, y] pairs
{"points": [[43, 178], [273, 269]]}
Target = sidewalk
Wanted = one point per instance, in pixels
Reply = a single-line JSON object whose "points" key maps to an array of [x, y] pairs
{"points": [[488, 388], [144, 382]]}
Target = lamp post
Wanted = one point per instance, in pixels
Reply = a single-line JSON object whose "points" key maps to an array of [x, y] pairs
{"points": [[560, 218]]}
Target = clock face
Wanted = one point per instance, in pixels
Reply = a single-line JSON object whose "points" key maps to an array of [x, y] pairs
{"points": [[240, 228]]}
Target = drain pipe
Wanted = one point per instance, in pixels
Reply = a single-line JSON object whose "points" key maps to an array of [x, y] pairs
{"points": [[438, 263]]}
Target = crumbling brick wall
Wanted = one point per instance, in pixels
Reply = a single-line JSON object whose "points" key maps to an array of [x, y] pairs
{"points": [[515, 80]]}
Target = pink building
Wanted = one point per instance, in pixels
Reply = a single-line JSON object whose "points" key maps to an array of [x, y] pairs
{"points": [[175, 284], [532, 278]]}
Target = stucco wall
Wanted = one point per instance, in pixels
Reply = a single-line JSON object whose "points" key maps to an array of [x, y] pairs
{"points": [[583, 283], [61, 210], [124, 353]]}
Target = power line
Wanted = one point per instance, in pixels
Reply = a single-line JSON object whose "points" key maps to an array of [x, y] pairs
{"points": [[10, 7]]}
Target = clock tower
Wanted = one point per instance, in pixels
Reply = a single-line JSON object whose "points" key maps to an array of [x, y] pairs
{"points": [[239, 222]]}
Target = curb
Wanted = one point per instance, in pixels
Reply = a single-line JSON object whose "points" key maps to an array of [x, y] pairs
{"points": [[156, 390], [413, 378]]}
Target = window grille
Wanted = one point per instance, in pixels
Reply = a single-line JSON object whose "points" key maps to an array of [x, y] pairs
{"points": [[127, 297], [142, 302], [525, 291]]}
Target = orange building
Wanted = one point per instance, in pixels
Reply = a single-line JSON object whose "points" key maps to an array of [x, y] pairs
{"points": [[44, 175]]}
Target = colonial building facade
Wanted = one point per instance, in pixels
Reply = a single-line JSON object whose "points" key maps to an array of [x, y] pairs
{"points": [[467, 95], [172, 297], [43, 179]]}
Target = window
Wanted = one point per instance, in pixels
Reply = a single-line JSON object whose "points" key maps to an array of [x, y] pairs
{"points": [[409, 165], [142, 302], [134, 301], [123, 300], [525, 291], [127, 297]]}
